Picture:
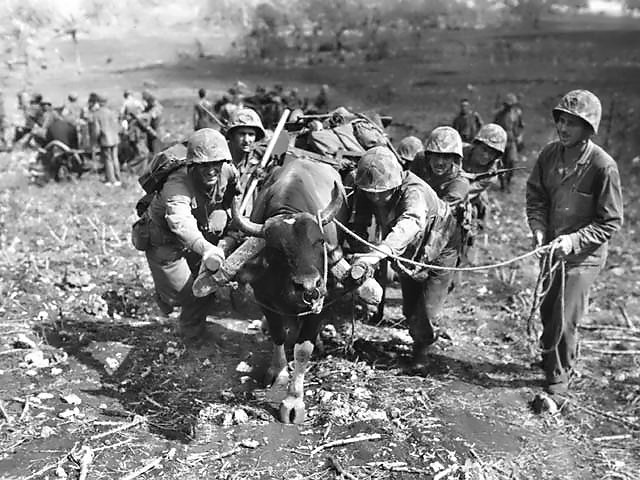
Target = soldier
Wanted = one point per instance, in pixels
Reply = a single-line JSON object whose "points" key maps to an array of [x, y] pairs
{"points": [[72, 110], [188, 225], [203, 112], [509, 117], [410, 149], [152, 118], [245, 129], [293, 100], [105, 132], [468, 122], [130, 106], [234, 103], [482, 157], [574, 203], [414, 224], [321, 102], [441, 165]]}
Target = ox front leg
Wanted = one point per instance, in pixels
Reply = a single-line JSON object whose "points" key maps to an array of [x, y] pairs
{"points": [[277, 374], [292, 407]]}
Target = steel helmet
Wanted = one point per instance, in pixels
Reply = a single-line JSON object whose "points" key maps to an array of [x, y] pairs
{"points": [[409, 147], [444, 140], [582, 104], [378, 171], [493, 136], [207, 145], [246, 118]]}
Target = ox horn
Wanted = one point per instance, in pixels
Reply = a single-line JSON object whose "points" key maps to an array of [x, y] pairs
{"points": [[329, 213], [247, 226]]}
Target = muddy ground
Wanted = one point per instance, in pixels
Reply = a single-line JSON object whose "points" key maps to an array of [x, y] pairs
{"points": [[87, 361]]}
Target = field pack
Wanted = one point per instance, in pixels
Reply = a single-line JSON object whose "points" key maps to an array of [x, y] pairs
{"points": [[161, 165]]}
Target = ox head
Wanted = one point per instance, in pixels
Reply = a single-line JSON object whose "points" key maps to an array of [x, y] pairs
{"points": [[293, 265]]}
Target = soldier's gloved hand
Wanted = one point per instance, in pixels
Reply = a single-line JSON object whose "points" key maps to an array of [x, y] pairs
{"points": [[213, 258], [562, 245]]}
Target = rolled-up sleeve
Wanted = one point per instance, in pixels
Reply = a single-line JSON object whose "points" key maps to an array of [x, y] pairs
{"points": [[411, 222], [178, 213], [608, 213]]}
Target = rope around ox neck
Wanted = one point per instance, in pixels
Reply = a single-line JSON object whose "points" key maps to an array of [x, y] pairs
{"points": [[407, 261]]}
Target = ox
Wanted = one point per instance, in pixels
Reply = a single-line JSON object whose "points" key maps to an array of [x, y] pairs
{"points": [[293, 214]]}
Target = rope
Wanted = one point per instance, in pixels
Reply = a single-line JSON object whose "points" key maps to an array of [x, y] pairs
{"points": [[407, 261]]}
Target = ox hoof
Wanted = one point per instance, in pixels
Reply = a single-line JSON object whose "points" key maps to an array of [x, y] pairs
{"points": [[292, 410], [277, 380]]}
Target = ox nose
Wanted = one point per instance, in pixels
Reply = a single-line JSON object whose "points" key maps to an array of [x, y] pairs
{"points": [[307, 283]]}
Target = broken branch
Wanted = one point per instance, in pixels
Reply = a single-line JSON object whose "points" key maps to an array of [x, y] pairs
{"points": [[200, 456], [346, 441], [144, 469], [137, 420], [337, 466], [5, 414]]}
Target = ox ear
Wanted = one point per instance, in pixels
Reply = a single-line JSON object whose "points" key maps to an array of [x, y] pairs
{"points": [[247, 226], [252, 270], [337, 199]]}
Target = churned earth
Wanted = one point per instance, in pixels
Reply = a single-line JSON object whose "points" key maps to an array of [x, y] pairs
{"points": [[91, 374]]}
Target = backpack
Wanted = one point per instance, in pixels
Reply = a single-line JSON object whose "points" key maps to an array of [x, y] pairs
{"points": [[329, 142], [161, 166]]}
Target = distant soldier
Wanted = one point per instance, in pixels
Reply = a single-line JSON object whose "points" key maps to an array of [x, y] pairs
{"points": [[203, 112], [468, 121], [72, 110], [321, 102], [574, 204], [105, 129], [130, 106], [509, 117], [235, 102], [293, 100], [34, 112], [410, 149], [152, 119]]}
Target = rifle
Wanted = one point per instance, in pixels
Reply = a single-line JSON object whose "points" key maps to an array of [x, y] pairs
{"points": [[213, 117], [475, 177]]}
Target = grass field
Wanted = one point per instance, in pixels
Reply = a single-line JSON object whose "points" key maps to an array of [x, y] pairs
{"points": [[71, 282]]}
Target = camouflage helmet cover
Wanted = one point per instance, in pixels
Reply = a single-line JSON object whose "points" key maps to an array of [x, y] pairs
{"points": [[246, 118], [378, 171], [444, 140], [582, 104], [409, 147], [207, 145], [493, 136]]}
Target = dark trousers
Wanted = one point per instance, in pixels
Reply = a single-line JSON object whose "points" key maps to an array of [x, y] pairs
{"points": [[109, 157], [173, 270], [422, 300], [509, 160], [559, 339]]}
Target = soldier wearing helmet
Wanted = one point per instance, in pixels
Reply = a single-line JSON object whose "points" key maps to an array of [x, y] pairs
{"points": [[441, 165], [480, 158], [72, 110], [509, 117], [574, 204], [468, 122], [415, 224], [243, 131], [188, 225], [410, 149]]}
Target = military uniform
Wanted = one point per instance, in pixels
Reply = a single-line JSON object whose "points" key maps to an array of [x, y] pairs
{"points": [[202, 112], [581, 204], [510, 118], [416, 225], [105, 131], [187, 219], [467, 125]]}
